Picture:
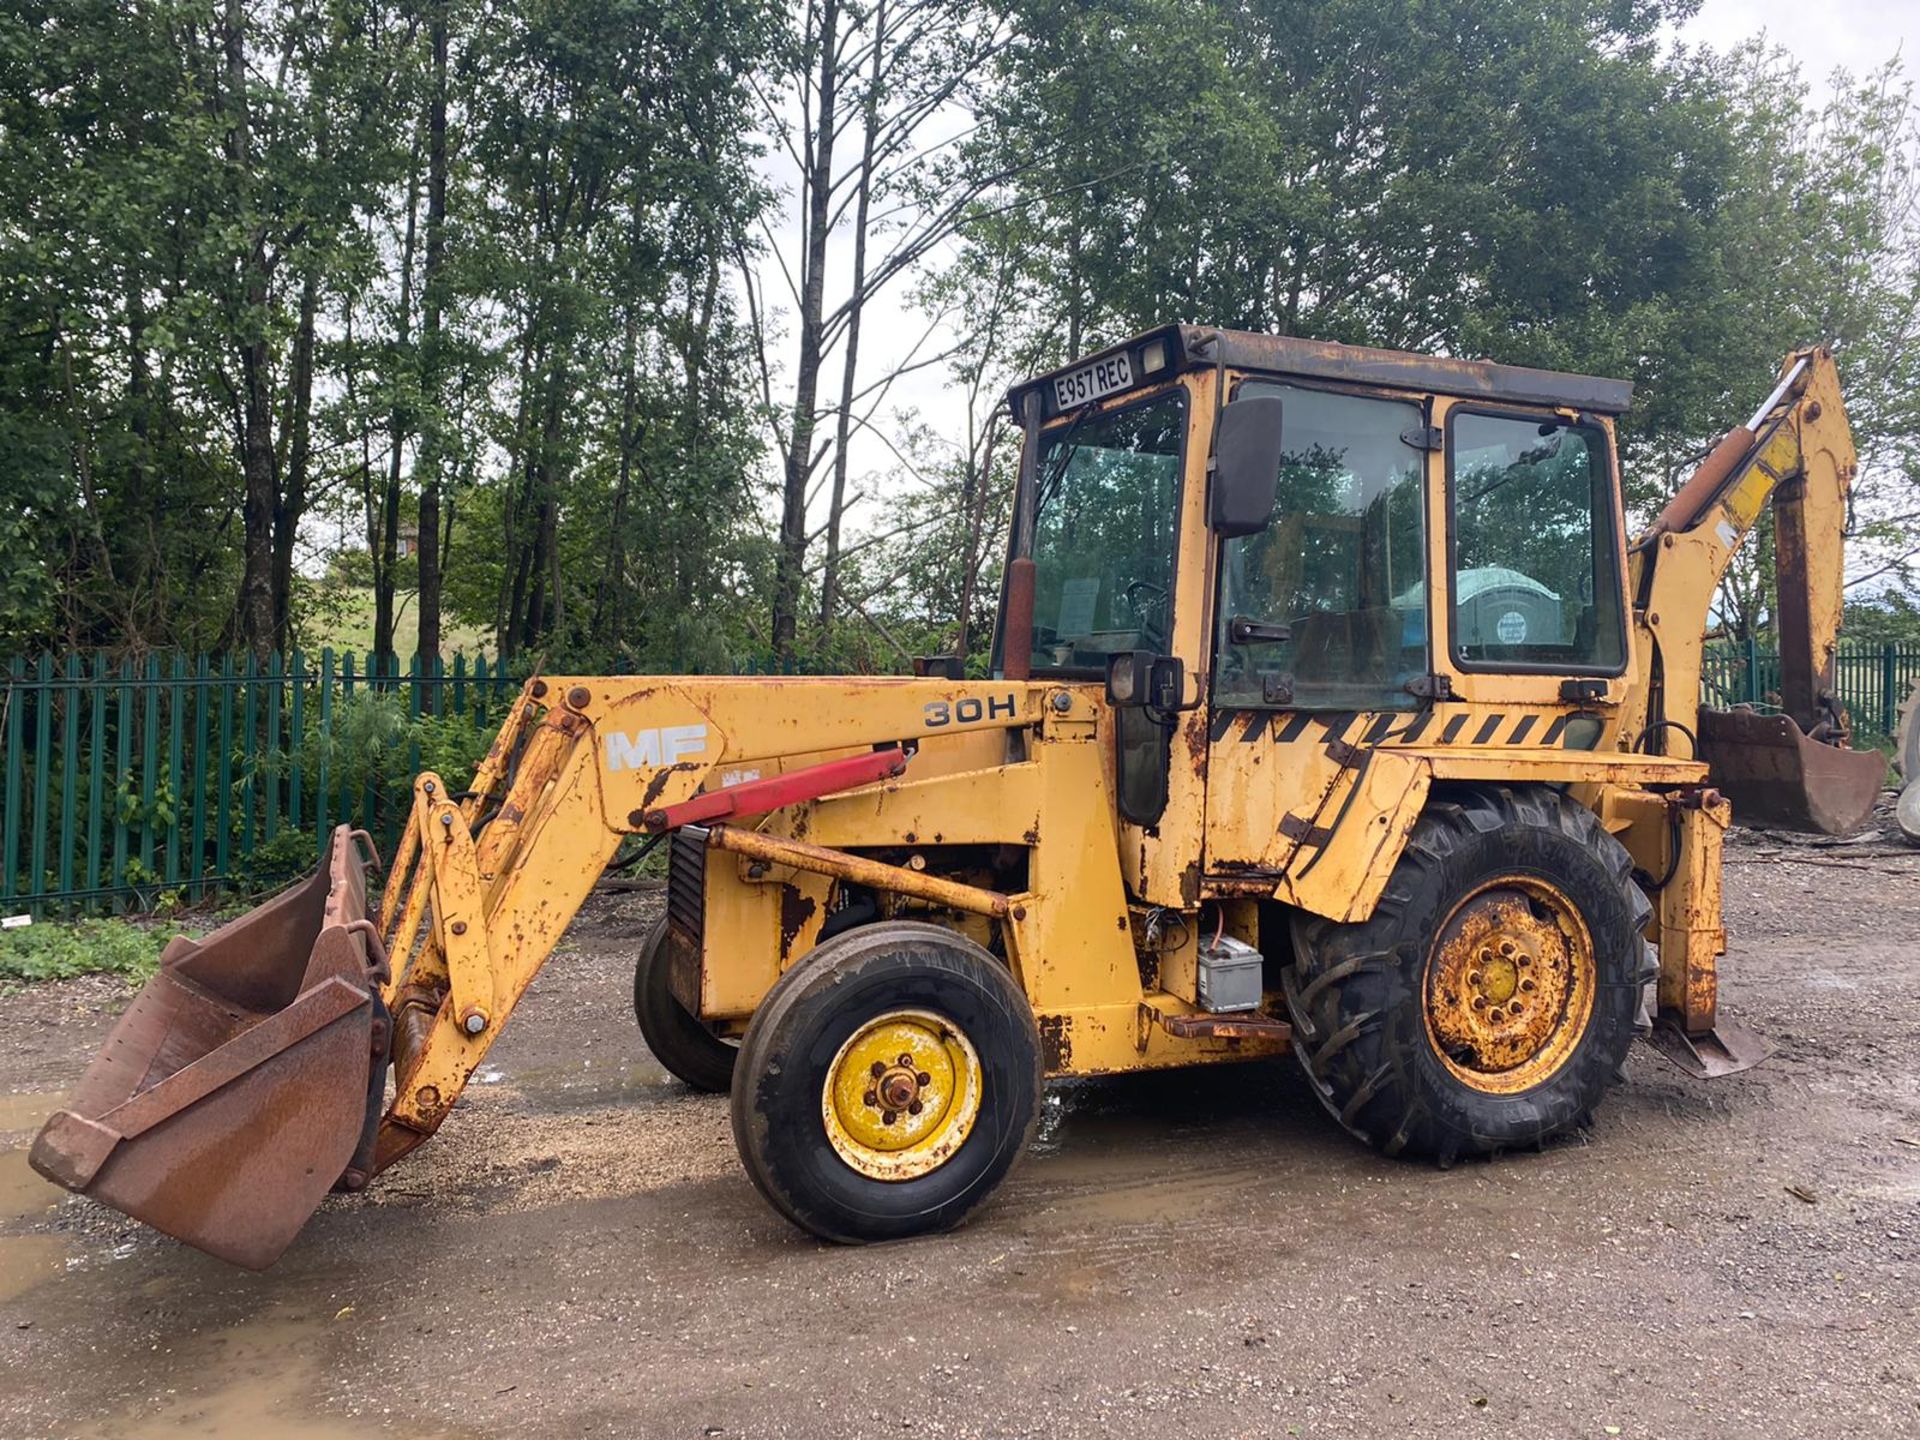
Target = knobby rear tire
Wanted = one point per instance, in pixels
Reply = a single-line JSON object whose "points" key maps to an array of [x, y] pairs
{"points": [[1358, 993]]}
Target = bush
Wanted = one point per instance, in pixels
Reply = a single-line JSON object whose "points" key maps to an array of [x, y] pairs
{"points": [[52, 951]]}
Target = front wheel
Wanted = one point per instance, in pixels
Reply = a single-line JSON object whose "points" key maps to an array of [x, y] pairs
{"points": [[887, 1084], [1489, 1000]]}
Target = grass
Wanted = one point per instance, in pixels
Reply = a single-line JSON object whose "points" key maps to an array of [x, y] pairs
{"points": [[349, 626], [52, 950]]}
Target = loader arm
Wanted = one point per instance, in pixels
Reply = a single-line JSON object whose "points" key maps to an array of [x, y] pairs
{"points": [[479, 895], [1796, 453]]}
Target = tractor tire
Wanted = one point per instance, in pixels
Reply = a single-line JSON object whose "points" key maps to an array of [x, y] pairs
{"points": [[1489, 1001], [688, 1049], [888, 1083]]}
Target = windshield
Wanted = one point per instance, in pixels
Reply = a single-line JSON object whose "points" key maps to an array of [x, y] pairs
{"points": [[1109, 488]]}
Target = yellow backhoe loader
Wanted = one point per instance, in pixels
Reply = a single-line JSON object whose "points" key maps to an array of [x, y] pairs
{"points": [[1332, 708]]}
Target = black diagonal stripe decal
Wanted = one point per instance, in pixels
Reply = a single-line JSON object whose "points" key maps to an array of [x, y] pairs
{"points": [[1453, 728], [1486, 730], [1418, 728], [1222, 722], [1520, 731], [1552, 737], [1256, 727], [1377, 731], [1296, 726], [1337, 724]]}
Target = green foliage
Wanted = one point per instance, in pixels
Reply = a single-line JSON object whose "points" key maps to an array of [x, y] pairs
{"points": [[55, 951]]}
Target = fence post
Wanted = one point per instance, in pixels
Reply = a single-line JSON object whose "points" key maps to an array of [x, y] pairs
{"points": [[323, 798], [122, 778], [176, 767], [296, 737], [202, 699], [97, 770], [223, 797], [42, 780], [16, 764], [69, 772], [149, 763], [270, 751], [1753, 671]]}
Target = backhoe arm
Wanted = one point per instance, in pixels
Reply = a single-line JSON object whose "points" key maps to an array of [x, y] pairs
{"points": [[1797, 453]]}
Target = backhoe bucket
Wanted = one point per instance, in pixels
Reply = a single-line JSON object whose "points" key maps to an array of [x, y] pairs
{"points": [[1777, 776], [244, 1077]]}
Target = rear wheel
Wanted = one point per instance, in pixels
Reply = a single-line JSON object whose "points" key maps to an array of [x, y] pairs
{"points": [[1490, 999], [689, 1050], [887, 1084]]}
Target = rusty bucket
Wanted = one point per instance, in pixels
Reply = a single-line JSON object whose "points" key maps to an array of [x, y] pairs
{"points": [[1777, 775], [244, 1078]]}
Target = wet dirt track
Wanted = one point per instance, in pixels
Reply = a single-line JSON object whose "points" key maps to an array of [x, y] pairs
{"points": [[1203, 1254]]}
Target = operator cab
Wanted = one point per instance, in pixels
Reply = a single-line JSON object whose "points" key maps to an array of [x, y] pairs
{"points": [[1263, 537]]}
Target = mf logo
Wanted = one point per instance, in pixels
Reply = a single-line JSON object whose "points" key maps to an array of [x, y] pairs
{"points": [[651, 749]]}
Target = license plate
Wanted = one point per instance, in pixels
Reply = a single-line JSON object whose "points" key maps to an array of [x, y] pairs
{"points": [[1091, 382]]}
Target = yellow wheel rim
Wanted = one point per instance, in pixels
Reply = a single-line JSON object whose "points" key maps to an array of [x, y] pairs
{"points": [[901, 1095], [1510, 985]]}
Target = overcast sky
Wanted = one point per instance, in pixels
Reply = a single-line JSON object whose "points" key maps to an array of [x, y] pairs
{"points": [[1823, 34]]}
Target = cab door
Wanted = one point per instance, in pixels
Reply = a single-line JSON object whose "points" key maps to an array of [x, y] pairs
{"points": [[1320, 644]]}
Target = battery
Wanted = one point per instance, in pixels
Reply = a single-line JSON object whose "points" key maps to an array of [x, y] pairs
{"points": [[1229, 976]]}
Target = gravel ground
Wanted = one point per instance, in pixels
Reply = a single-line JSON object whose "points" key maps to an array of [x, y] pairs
{"points": [[577, 1253]]}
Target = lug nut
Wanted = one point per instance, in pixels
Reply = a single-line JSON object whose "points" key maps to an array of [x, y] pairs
{"points": [[1480, 1003], [923, 1078], [870, 1098], [877, 1070], [905, 1061], [887, 1117], [913, 1108]]}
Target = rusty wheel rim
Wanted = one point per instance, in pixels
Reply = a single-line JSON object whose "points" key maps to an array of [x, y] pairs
{"points": [[1510, 985], [901, 1095]]}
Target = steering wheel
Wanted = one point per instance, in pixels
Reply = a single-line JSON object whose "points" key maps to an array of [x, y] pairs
{"points": [[1145, 598]]}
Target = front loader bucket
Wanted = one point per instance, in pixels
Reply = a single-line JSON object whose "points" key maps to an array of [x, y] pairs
{"points": [[237, 1087], [1777, 776]]}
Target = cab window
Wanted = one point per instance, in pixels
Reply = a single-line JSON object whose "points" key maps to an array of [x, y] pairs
{"points": [[1325, 609], [1536, 581]]}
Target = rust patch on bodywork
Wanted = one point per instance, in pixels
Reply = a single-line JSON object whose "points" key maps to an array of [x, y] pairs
{"points": [[1056, 1043], [795, 910]]}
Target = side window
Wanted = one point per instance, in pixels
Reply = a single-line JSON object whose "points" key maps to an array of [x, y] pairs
{"points": [[1536, 585], [1326, 608]]}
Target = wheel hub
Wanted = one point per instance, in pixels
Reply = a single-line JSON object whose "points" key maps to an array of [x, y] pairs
{"points": [[901, 1095], [1510, 985]]}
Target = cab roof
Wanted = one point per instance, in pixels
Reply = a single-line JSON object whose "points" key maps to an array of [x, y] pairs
{"points": [[1191, 347]]}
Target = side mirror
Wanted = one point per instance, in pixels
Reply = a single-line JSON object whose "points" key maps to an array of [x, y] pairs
{"points": [[1140, 679], [1246, 466]]}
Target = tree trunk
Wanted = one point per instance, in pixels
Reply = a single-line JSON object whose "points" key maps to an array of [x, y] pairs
{"points": [[292, 503], [399, 427], [819, 186], [830, 571], [433, 303], [257, 465]]}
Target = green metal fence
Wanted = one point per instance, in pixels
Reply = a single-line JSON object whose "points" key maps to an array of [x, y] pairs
{"points": [[128, 780], [1872, 680]]}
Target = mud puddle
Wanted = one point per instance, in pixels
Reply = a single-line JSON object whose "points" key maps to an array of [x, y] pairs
{"points": [[257, 1379], [26, 1260], [28, 1111]]}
